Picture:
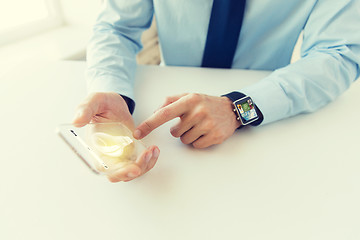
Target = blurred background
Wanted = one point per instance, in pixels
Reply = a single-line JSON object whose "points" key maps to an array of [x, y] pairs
{"points": [[54, 30], [57, 30]]}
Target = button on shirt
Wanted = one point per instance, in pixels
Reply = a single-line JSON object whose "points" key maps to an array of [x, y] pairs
{"points": [[330, 53]]}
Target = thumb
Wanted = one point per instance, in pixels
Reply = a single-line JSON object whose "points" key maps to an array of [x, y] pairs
{"points": [[85, 112], [82, 117]]}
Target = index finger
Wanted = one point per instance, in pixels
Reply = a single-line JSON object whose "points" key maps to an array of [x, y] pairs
{"points": [[163, 115]]}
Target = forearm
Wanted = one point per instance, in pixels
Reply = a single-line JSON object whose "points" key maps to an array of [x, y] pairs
{"points": [[114, 44], [304, 86], [330, 63]]}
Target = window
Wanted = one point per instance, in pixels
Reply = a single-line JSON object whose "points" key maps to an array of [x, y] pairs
{"points": [[22, 18]]}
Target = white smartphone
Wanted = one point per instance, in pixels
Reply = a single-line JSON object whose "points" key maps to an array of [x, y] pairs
{"points": [[103, 147]]}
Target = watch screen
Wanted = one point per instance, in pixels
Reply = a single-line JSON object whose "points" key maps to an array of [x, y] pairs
{"points": [[246, 110]]}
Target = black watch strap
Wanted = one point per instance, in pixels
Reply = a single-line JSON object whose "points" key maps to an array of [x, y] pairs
{"points": [[233, 96]]}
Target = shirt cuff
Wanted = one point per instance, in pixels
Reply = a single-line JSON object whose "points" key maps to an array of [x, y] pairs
{"points": [[130, 103], [270, 99]]}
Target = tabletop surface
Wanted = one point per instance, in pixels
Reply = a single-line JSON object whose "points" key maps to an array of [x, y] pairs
{"points": [[294, 179]]}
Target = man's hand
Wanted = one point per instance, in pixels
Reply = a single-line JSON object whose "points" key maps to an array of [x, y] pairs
{"points": [[103, 107], [111, 107], [204, 120]]}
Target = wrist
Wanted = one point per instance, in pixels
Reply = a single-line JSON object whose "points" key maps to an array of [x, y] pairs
{"points": [[245, 110], [229, 105]]}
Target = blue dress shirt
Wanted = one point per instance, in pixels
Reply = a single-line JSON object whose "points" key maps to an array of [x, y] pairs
{"points": [[330, 53]]}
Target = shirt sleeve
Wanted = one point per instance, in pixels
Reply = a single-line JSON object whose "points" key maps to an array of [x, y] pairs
{"points": [[112, 49], [330, 59]]}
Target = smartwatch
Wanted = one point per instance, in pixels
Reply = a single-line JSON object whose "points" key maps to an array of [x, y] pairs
{"points": [[245, 109]]}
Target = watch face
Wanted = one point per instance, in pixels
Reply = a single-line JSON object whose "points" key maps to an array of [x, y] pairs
{"points": [[246, 110]]}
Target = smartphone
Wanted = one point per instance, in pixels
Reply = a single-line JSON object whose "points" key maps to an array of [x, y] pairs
{"points": [[103, 147]]}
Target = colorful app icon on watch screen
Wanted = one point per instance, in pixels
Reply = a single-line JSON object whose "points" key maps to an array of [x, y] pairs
{"points": [[246, 110]]}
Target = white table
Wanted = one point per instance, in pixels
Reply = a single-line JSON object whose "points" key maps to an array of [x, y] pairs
{"points": [[294, 179]]}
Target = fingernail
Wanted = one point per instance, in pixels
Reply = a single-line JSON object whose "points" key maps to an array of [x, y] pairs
{"points": [[132, 175], [148, 157], [137, 134], [156, 153]]}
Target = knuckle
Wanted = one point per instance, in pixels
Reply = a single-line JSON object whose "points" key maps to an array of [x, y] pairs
{"points": [[184, 140], [147, 125], [193, 98], [203, 109], [199, 115], [164, 113], [209, 126]]}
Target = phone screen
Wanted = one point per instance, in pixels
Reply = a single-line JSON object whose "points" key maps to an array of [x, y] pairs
{"points": [[103, 147]]}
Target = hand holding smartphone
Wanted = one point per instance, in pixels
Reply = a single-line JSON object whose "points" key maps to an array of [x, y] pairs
{"points": [[104, 147]]}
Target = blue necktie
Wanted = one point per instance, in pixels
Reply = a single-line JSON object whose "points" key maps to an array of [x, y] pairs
{"points": [[223, 33]]}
